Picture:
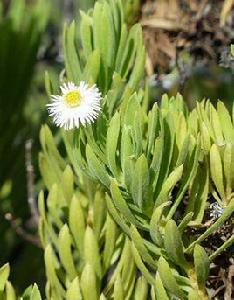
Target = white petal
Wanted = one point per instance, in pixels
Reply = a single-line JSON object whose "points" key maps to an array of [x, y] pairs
{"points": [[71, 117]]}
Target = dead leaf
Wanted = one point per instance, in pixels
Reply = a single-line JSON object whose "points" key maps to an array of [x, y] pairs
{"points": [[227, 7]]}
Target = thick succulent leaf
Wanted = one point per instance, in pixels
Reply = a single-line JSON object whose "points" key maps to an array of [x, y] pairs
{"points": [[216, 170], [4, 274], [202, 265], [92, 255], [74, 291], [173, 244], [65, 252], [88, 283], [159, 289], [168, 279], [72, 62], [111, 144]]}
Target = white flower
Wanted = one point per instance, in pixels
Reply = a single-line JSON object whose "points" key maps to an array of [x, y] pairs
{"points": [[77, 105], [216, 210]]}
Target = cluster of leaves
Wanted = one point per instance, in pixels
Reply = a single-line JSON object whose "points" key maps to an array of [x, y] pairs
{"points": [[150, 171], [131, 8], [7, 291], [123, 192], [86, 254]]}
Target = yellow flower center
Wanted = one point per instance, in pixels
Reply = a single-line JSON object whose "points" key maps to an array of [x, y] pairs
{"points": [[73, 98]]}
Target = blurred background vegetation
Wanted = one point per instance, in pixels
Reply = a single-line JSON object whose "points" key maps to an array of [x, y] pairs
{"points": [[188, 50]]}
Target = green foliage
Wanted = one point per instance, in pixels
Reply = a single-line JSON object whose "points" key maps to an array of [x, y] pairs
{"points": [[116, 203], [7, 291], [108, 66], [21, 28], [232, 50], [131, 10], [19, 39]]}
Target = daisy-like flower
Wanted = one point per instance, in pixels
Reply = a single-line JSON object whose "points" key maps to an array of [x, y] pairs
{"points": [[75, 106]]}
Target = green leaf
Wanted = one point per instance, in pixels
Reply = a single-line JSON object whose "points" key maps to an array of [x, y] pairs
{"points": [[110, 239], [99, 213], [68, 182], [226, 122], [168, 279], [111, 144], [121, 48], [193, 295], [31, 293], [74, 292], [126, 159], [118, 289], [96, 167], [183, 151], [205, 138], [10, 293], [92, 255], [35, 295], [159, 289], [140, 246], [104, 32], [198, 194], [77, 223], [232, 50], [128, 269], [168, 135], [116, 216], [145, 272], [48, 84], [188, 176], [141, 289], [216, 126], [139, 66], [51, 272], [140, 185], [120, 203], [168, 185], [17, 12], [155, 232], [157, 159], [173, 244], [152, 126], [129, 108], [183, 224], [216, 170], [114, 95], [4, 274], [128, 56], [86, 32], [89, 283], [202, 265], [72, 63], [227, 166], [92, 68], [49, 146], [137, 132], [65, 252]]}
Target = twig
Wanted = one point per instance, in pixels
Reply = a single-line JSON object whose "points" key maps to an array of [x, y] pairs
{"points": [[30, 182], [225, 245], [21, 232], [229, 287]]}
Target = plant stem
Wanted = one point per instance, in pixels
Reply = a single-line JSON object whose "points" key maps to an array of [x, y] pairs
{"points": [[225, 245], [227, 213]]}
